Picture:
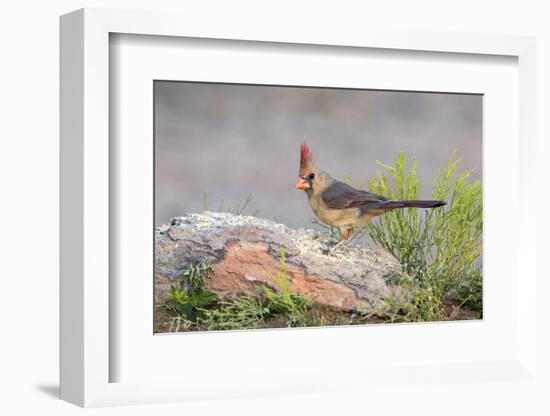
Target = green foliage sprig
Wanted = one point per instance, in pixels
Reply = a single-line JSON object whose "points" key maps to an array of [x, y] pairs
{"points": [[189, 296], [239, 209], [283, 301], [237, 313]]}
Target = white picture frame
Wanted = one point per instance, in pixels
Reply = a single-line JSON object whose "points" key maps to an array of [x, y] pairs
{"points": [[87, 356]]}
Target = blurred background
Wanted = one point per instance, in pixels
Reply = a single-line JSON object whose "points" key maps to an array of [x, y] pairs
{"points": [[215, 144]]}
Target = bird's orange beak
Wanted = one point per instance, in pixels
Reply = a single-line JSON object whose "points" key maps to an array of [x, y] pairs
{"points": [[302, 184]]}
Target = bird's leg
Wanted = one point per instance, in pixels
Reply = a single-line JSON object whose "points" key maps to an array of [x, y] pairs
{"points": [[346, 232]]}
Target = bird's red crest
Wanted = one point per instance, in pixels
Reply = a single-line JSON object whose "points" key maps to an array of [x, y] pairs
{"points": [[306, 157]]}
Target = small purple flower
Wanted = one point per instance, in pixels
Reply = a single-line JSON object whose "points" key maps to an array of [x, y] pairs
{"points": [[186, 286]]}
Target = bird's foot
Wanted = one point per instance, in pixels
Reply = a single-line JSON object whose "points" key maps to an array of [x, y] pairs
{"points": [[341, 243], [345, 234]]}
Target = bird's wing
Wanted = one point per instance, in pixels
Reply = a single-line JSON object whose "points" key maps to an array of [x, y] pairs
{"points": [[340, 195]]}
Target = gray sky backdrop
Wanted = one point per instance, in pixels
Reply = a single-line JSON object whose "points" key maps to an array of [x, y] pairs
{"points": [[230, 140]]}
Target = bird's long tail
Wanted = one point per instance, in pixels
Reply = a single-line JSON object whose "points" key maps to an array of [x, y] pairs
{"points": [[412, 204]]}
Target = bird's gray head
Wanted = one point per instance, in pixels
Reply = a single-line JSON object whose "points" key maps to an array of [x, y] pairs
{"points": [[310, 179], [308, 173]]}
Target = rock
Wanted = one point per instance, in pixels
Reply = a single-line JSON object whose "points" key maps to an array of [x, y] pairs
{"points": [[245, 255]]}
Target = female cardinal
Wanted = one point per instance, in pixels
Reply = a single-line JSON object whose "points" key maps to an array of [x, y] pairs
{"points": [[339, 205]]}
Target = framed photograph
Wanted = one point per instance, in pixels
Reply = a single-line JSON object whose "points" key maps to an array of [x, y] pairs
{"points": [[288, 211], [250, 253]]}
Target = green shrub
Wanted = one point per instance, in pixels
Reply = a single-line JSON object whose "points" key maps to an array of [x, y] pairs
{"points": [[242, 312], [188, 297], [439, 249]]}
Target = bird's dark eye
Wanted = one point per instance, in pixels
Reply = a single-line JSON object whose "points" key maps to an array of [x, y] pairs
{"points": [[311, 175]]}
